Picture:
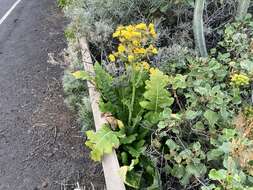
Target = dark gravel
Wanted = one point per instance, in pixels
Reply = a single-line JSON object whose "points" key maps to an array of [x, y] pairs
{"points": [[40, 143]]}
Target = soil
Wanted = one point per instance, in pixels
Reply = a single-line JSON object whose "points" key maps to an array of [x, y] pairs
{"points": [[41, 147]]}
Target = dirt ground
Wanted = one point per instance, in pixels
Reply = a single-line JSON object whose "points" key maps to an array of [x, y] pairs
{"points": [[41, 147]]}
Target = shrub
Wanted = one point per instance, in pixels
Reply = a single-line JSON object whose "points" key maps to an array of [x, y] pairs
{"points": [[178, 124]]}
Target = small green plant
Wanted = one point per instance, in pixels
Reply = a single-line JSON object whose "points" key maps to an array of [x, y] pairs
{"points": [[139, 103], [63, 3]]}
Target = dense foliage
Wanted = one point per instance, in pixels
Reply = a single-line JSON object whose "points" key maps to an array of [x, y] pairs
{"points": [[177, 120], [97, 19]]}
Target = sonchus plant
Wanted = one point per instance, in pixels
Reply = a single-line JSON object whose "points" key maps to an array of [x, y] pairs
{"points": [[136, 99]]}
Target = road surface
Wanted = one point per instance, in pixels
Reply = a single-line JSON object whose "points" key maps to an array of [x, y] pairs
{"points": [[40, 144]]}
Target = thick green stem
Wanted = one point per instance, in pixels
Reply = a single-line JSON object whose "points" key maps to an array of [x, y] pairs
{"points": [[132, 99], [132, 105], [243, 6], [198, 27]]}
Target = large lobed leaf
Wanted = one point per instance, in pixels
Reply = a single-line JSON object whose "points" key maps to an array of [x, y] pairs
{"points": [[102, 142], [156, 96]]}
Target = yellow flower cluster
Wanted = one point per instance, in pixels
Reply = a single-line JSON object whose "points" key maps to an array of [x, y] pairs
{"points": [[240, 80], [138, 66], [153, 71], [135, 44]]}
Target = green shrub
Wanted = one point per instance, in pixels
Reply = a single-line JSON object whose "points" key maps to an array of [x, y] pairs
{"points": [[175, 119], [181, 124]]}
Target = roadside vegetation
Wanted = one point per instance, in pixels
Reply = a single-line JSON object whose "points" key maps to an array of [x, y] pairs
{"points": [[175, 78]]}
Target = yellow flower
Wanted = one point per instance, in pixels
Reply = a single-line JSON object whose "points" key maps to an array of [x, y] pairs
{"points": [[122, 39], [152, 49], [145, 65], [141, 26], [151, 26], [112, 58], [153, 71], [240, 80], [116, 34], [120, 27], [135, 35], [136, 43], [121, 48], [130, 58], [130, 28], [125, 34], [139, 51], [152, 32]]}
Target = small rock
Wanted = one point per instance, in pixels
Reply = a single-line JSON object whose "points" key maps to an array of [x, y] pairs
{"points": [[44, 184]]}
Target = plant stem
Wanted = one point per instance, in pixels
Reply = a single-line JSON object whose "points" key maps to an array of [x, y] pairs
{"points": [[198, 28], [132, 105], [132, 99], [177, 100], [243, 6]]}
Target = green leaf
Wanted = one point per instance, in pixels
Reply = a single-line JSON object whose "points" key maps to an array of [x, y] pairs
{"points": [[102, 142], [228, 134], [172, 145], [104, 82], [190, 115], [127, 174], [226, 147], [156, 96], [128, 139], [153, 117], [82, 75], [211, 117], [135, 152], [214, 154], [133, 179], [124, 158], [196, 147], [247, 65], [217, 174], [196, 169], [250, 162], [178, 81], [199, 126], [178, 171]]}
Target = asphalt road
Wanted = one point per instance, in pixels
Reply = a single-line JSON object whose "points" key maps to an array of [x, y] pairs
{"points": [[5, 5], [40, 144]]}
